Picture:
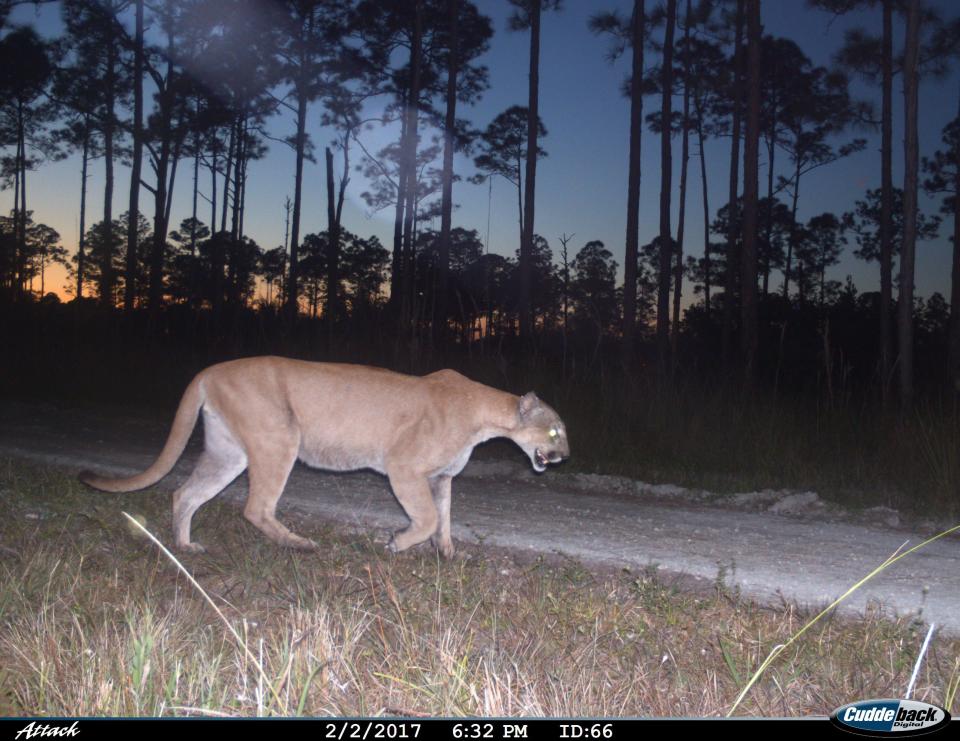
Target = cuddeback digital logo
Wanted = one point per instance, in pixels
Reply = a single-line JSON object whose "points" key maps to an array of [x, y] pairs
{"points": [[890, 717]]}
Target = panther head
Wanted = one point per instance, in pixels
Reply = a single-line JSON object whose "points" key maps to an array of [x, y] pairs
{"points": [[540, 433]]}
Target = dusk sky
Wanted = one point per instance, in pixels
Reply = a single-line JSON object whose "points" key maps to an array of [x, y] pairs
{"points": [[581, 184]]}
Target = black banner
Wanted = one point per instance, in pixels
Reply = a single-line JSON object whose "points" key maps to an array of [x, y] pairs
{"points": [[411, 729]]}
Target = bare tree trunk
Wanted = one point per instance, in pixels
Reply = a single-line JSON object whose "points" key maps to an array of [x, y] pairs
{"points": [[196, 189], [533, 117], [333, 254], [344, 179], [214, 145], [22, 236], [16, 274], [707, 266], [218, 259], [159, 232], [407, 310], [233, 272], [823, 283], [519, 197], [751, 159], [446, 203], [791, 242], [911, 162], [107, 278], [242, 275], [565, 276], [194, 273], [771, 156], [24, 214], [633, 187], [953, 355], [228, 173], [801, 282], [732, 257], [237, 164], [678, 263], [684, 164], [162, 166], [133, 212], [81, 245], [886, 205], [171, 182], [666, 175], [301, 142], [242, 187], [396, 271]]}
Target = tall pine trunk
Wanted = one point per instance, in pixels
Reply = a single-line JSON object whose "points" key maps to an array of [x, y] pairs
{"points": [[533, 117], [911, 162], [22, 175], [237, 166], [172, 181], [107, 278], [633, 186], [886, 204], [301, 142], [133, 211], [81, 245], [684, 163], [333, 255], [792, 241], [214, 146], [446, 203], [162, 167], [771, 156], [520, 196], [196, 187], [396, 268], [733, 257], [159, 232], [707, 266], [751, 159], [194, 286], [233, 267], [953, 352], [407, 309], [244, 163], [666, 177], [231, 152], [16, 272]]}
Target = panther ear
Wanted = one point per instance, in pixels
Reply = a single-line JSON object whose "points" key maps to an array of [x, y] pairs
{"points": [[528, 402]]}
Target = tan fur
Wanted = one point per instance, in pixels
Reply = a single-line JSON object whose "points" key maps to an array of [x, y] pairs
{"points": [[264, 413]]}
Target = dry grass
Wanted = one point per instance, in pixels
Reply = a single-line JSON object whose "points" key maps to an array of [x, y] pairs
{"points": [[94, 621]]}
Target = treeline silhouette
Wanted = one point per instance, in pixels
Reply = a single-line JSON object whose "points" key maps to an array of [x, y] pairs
{"points": [[185, 89]]}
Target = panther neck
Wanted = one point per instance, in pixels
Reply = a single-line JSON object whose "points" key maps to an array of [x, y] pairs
{"points": [[498, 415]]}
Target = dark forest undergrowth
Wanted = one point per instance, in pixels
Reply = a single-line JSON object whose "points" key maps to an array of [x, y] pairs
{"points": [[691, 430]]}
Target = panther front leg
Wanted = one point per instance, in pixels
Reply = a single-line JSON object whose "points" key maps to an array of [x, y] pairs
{"points": [[441, 487], [413, 493]]}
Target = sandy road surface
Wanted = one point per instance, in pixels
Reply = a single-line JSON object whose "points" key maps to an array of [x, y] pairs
{"points": [[810, 559]]}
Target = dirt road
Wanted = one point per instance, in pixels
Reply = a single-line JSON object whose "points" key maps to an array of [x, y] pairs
{"points": [[810, 557]]}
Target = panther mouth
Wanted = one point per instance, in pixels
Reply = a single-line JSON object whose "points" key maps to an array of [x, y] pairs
{"points": [[540, 460]]}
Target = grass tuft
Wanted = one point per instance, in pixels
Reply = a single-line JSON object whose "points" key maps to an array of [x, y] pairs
{"points": [[95, 621]]}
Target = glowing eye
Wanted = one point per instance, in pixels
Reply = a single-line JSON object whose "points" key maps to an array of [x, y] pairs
{"points": [[553, 432]]}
